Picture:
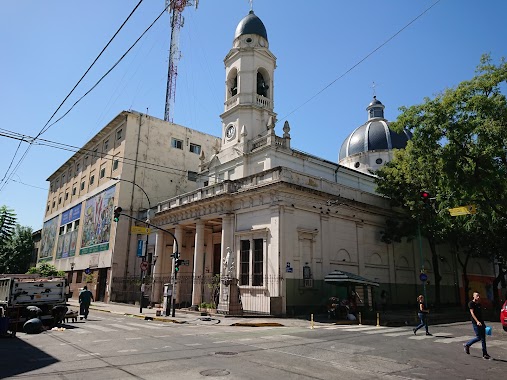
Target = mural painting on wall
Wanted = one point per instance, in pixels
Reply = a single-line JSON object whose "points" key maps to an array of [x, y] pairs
{"points": [[67, 242], [483, 285], [48, 239], [98, 214]]}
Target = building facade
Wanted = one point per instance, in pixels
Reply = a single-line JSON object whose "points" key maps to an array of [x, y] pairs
{"points": [[134, 162], [280, 220]]}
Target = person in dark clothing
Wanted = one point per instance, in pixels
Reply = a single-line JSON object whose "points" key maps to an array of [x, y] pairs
{"points": [[422, 313], [478, 325], [85, 299]]}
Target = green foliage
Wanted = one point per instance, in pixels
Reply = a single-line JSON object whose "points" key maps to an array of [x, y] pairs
{"points": [[16, 253], [46, 270], [7, 224], [458, 153]]}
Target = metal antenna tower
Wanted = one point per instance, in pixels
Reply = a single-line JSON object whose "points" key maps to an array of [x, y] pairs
{"points": [[174, 8]]}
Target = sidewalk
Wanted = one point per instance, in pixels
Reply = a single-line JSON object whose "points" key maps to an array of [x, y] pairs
{"points": [[186, 316], [391, 318]]}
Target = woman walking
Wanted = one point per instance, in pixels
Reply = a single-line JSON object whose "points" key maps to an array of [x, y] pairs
{"points": [[422, 312]]}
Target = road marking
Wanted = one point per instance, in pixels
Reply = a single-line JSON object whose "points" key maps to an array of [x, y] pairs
{"points": [[144, 326], [128, 328], [101, 340], [133, 338], [100, 328], [161, 336], [382, 331], [244, 339], [167, 347], [131, 350], [90, 354], [463, 338], [424, 336], [400, 333], [221, 341], [79, 331], [360, 328], [193, 344]]}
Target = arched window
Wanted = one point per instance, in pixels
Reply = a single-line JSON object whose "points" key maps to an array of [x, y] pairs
{"points": [[262, 85], [232, 83]]}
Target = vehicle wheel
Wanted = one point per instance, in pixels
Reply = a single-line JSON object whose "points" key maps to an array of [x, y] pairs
{"points": [[504, 328]]}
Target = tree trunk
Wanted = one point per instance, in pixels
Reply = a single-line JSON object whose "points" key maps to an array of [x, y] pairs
{"points": [[436, 271], [496, 298], [466, 282]]}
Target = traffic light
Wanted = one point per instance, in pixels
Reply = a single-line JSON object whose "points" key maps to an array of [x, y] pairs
{"points": [[117, 212], [177, 264], [425, 196]]}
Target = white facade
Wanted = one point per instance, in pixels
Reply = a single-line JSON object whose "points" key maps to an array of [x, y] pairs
{"points": [[287, 217]]}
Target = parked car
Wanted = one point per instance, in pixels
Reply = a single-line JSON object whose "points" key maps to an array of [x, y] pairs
{"points": [[503, 316]]}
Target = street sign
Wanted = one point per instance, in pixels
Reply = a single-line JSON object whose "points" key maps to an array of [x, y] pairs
{"points": [[463, 210], [140, 230], [88, 271], [144, 265], [140, 251], [423, 277]]}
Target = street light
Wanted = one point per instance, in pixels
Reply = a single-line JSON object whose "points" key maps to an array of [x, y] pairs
{"points": [[147, 236]]}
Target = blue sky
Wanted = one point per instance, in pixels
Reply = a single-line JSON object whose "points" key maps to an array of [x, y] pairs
{"points": [[47, 46]]}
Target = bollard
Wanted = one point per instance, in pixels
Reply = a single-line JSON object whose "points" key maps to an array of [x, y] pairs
{"points": [[359, 318], [311, 318], [378, 319]]}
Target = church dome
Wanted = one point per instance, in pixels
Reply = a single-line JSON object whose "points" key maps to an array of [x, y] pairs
{"points": [[374, 135], [251, 24]]}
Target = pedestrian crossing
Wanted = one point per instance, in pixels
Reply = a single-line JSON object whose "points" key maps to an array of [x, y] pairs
{"points": [[440, 337]]}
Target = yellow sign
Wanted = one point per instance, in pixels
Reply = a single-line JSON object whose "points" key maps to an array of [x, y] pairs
{"points": [[140, 230], [463, 210]]}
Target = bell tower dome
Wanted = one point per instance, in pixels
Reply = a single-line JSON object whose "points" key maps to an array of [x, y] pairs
{"points": [[249, 84]]}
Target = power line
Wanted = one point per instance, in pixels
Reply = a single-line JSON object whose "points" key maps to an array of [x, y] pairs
{"points": [[75, 149], [46, 127], [359, 62]]}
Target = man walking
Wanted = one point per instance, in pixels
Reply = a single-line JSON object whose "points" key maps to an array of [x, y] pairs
{"points": [[85, 299], [478, 325]]}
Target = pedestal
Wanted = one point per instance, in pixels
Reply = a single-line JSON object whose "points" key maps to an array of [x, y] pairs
{"points": [[229, 303]]}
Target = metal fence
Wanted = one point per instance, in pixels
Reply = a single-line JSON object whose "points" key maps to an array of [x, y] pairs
{"points": [[263, 299]]}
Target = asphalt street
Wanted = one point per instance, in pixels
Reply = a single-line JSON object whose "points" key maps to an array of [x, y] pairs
{"points": [[109, 346]]}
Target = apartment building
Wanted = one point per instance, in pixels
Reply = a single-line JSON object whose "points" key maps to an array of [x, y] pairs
{"points": [[134, 162]]}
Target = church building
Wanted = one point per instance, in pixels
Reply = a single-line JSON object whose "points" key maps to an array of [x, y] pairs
{"points": [[283, 222]]}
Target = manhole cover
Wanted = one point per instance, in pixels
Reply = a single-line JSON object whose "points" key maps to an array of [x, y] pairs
{"points": [[225, 353], [215, 372]]}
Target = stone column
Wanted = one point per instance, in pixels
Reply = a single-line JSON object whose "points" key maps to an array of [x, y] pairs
{"points": [[198, 265]]}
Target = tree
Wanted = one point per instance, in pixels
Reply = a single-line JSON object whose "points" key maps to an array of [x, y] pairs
{"points": [[16, 253], [458, 152], [7, 224], [46, 270], [402, 180]]}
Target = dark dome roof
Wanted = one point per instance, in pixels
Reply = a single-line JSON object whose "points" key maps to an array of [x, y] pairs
{"points": [[251, 24], [374, 135], [374, 102]]}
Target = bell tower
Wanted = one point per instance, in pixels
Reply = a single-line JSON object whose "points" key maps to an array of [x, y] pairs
{"points": [[249, 85]]}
